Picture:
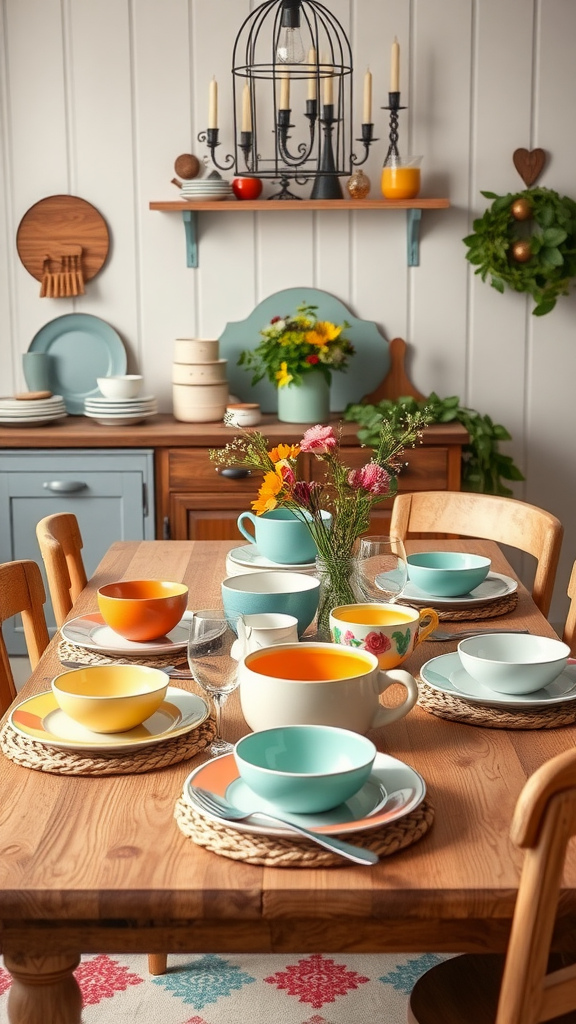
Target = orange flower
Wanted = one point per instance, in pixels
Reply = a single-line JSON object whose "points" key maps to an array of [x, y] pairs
{"points": [[284, 451], [267, 495], [323, 333]]}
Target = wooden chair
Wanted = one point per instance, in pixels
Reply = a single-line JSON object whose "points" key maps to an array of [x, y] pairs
{"points": [[569, 636], [467, 989], [61, 545], [21, 592], [490, 517]]}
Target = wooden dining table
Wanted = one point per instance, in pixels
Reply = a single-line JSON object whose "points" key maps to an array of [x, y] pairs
{"points": [[99, 864]]}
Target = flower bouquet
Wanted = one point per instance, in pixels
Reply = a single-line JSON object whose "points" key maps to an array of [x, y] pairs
{"points": [[348, 494]]}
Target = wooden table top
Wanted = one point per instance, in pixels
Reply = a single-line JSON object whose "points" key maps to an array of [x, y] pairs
{"points": [[100, 865]]}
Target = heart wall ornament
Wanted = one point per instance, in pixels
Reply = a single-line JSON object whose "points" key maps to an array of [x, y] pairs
{"points": [[529, 163]]}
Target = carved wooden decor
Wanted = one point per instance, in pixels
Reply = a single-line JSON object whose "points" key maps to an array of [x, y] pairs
{"points": [[529, 163]]}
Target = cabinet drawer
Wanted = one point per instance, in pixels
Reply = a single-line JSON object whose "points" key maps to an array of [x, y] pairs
{"points": [[192, 470], [427, 468]]}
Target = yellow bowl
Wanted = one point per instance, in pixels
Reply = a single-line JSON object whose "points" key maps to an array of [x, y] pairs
{"points": [[110, 698], [142, 610]]}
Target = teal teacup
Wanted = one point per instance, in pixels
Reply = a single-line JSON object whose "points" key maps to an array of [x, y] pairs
{"points": [[281, 536]]}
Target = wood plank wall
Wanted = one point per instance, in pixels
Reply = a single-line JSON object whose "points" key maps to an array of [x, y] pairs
{"points": [[97, 99]]}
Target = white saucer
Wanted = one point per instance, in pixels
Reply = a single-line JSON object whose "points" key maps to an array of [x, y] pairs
{"points": [[494, 587], [445, 673], [91, 632], [248, 555], [402, 786]]}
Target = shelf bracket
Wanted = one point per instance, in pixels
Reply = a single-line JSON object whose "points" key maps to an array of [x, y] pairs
{"points": [[191, 231], [413, 218]]}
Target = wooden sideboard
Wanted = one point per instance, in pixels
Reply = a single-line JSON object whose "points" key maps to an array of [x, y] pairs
{"points": [[195, 501]]}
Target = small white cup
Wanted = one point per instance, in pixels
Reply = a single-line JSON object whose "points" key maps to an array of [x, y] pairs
{"points": [[263, 630]]}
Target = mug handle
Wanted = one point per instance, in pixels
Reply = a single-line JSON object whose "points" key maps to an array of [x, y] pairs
{"points": [[426, 613], [384, 716], [240, 524]]}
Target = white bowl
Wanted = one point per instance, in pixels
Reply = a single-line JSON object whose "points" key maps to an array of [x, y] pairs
{"points": [[200, 373], [513, 663], [127, 385], [195, 350]]}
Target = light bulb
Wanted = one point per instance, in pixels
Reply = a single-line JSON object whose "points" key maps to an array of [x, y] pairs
{"points": [[290, 48]]}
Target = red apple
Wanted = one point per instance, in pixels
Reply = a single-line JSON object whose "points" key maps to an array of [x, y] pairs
{"points": [[247, 188]]}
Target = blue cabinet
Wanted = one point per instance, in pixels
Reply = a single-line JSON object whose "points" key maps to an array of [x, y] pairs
{"points": [[111, 493]]}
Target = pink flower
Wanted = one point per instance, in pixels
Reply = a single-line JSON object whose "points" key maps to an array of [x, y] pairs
{"points": [[305, 494], [285, 471], [320, 440], [348, 637], [377, 643], [371, 477]]}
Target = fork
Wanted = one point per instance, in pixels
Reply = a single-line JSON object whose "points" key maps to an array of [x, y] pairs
{"points": [[220, 808], [462, 634]]}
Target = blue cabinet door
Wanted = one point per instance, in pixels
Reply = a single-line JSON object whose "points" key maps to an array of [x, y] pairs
{"points": [[110, 492]]}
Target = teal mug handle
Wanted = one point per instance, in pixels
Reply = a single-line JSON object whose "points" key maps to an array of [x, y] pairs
{"points": [[240, 524]]}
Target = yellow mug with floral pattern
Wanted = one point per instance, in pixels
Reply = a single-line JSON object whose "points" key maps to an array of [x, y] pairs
{"points": [[390, 631]]}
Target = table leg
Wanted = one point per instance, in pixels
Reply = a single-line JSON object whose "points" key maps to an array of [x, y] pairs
{"points": [[44, 989], [157, 963]]}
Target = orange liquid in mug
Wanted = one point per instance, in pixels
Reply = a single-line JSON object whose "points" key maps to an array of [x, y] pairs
{"points": [[373, 616], [310, 665], [400, 182]]}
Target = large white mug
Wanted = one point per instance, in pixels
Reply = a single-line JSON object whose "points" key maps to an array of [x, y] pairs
{"points": [[319, 684], [263, 630]]}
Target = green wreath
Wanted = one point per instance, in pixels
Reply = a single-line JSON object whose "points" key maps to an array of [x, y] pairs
{"points": [[541, 261]]}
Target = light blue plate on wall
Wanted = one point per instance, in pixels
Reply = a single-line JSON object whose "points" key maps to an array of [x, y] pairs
{"points": [[367, 368], [82, 347]]}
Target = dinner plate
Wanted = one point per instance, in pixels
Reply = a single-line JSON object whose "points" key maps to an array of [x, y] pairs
{"points": [[20, 404], [494, 587], [30, 421], [392, 791], [40, 718], [83, 348], [249, 556], [123, 403], [445, 673], [91, 632], [121, 421]]}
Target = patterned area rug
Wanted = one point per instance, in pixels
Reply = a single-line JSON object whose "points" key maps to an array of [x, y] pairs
{"points": [[248, 989]]}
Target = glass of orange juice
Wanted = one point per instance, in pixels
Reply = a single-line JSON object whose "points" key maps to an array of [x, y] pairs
{"points": [[401, 177]]}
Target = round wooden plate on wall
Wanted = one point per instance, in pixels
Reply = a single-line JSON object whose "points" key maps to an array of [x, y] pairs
{"points": [[61, 221]]}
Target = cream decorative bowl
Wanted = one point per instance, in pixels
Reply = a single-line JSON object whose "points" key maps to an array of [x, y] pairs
{"points": [[196, 350], [200, 373], [110, 698], [128, 385], [199, 403]]}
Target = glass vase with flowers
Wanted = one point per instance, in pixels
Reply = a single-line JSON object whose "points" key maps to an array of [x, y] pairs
{"points": [[348, 494], [298, 354]]}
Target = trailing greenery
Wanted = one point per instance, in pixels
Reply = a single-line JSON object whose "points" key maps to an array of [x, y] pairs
{"points": [[551, 234], [484, 467]]}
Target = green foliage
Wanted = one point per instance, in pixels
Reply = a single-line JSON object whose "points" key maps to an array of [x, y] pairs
{"points": [[552, 237], [484, 467]]}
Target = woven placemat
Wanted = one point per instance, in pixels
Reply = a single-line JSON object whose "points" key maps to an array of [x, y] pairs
{"points": [[83, 656], [490, 610], [448, 705], [30, 753], [297, 852]]}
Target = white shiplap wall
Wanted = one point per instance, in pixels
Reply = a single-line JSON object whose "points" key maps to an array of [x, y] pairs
{"points": [[97, 99]]}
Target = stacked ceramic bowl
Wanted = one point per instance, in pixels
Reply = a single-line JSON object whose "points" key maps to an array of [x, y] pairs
{"points": [[206, 189], [199, 384], [120, 403], [31, 412]]}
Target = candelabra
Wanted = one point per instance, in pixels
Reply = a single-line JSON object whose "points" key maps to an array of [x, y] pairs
{"points": [[393, 107]]}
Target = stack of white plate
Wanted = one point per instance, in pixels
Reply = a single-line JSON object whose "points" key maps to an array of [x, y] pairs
{"points": [[31, 412], [120, 412], [206, 189]]}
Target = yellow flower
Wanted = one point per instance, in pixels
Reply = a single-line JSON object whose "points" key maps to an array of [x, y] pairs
{"points": [[284, 451], [267, 495], [323, 333], [282, 376]]}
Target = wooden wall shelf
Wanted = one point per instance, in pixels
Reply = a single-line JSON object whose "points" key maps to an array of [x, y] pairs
{"points": [[190, 211]]}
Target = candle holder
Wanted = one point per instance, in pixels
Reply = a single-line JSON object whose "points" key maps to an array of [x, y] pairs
{"points": [[367, 139], [393, 107], [210, 137], [327, 184], [246, 147]]}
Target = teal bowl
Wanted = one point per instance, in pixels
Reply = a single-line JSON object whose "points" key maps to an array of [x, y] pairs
{"points": [[305, 768], [447, 573], [290, 593]]}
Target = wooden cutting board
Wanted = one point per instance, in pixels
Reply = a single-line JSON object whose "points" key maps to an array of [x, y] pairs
{"points": [[59, 221]]}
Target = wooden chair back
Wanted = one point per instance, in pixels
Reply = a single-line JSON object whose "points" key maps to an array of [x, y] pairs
{"points": [[570, 625], [21, 592], [489, 517], [61, 545]]}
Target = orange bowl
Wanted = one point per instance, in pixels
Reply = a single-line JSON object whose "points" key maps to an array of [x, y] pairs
{"points": [[142, 610]]}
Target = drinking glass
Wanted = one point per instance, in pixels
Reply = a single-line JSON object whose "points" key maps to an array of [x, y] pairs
{"points": [[382, 572], [212, 665]]}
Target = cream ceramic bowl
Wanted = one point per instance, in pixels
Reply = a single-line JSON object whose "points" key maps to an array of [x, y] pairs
{"points": [[110, 698], [199, 403], [199, 373], [195, 350], [126, 386]]}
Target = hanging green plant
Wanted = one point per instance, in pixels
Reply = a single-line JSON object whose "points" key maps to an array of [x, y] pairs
{"points": [[527, 241]]}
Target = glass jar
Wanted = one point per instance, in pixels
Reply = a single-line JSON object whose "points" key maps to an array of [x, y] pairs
{"points": [[337, 577]]}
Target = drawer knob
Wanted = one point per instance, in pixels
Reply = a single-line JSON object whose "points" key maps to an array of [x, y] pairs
{"points": [[234, 472], [65, 486]]}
